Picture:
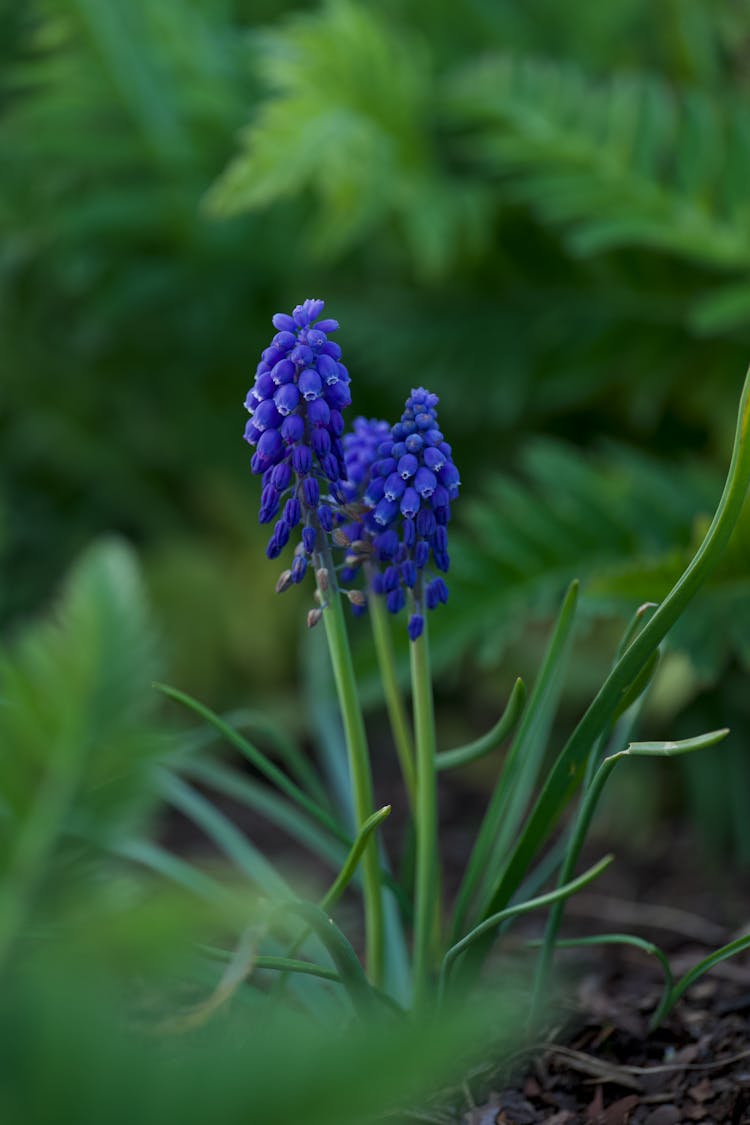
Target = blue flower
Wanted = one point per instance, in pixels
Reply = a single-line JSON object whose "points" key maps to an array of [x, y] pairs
{"points": [[412, 483], [296, 423], [360, 452]]}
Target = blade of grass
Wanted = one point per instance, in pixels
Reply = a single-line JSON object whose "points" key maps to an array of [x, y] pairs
{"points": [[269, 770], [286, 748], [282, 964], [225, 835], [485, 929], [462, 755], [639, 685], [569, 768], [342, 954], [640, 943], [200, 738], [291, 965], [178, 871], [694, 974], [521, 766], [626, 717], [238, 967], [224, 779], [344, 877], [346, 874]]}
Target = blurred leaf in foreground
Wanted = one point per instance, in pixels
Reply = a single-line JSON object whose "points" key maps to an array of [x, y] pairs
{"points": [[77, 731]]}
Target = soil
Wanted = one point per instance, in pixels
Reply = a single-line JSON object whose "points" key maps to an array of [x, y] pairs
{"points": [[599, 1065], [609, 1071]]}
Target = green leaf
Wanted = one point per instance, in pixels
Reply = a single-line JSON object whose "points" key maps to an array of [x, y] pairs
{"points": [[663, 1006], [612, 163], [348, 122], [738, 946], [581, 827], [622, 521], [179, 871], [349, 866], [520, 771], [224, 779], [291, 965], [671, 749], [345, 959], [261, 762], [462, 755], [569, 768], [77, 730], [486, 928], [224, 834], [639, 685]]}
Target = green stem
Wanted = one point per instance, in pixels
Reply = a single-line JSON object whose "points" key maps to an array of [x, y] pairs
{"points": [[577, 838], [490, 925], [345, 875], [359, 766], [402, 735], [343, 956], [290, 965], [471, 751], [737, 946], [426, 907], [664, 1005]]}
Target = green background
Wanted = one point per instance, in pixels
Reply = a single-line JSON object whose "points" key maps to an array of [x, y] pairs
{"points": [[540, 211]]}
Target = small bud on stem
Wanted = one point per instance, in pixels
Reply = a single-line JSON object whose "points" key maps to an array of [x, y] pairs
{"points": [[284, 581]]}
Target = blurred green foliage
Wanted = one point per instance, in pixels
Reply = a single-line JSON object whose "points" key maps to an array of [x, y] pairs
{"points": [[542, 212], [125, 967]]}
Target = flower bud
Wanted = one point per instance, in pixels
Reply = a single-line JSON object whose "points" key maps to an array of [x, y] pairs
{"points": [[284, 581]]}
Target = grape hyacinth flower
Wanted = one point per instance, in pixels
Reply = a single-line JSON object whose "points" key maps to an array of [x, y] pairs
{"points": [[295, 425], [361, 446], [412, 484], [360, 452]]}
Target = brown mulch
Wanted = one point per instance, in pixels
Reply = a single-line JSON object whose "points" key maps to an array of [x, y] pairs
{"points": [[599, 1064], [609, 1071]]}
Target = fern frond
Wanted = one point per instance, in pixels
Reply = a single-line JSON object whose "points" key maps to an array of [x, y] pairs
{"points": [[349, 120], [622, 522], [77, 704], [628, 162]]}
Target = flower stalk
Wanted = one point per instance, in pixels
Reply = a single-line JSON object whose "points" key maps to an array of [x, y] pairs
{"points": [[426, 907], [397, 715], [359, 768]]}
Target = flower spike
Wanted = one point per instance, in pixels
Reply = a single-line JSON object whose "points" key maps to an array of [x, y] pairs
{"points": [[412, 483], [300, 391]]}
